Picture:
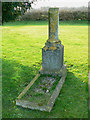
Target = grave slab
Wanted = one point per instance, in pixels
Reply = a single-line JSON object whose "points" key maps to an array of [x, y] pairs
{"points": [[34, 98]]}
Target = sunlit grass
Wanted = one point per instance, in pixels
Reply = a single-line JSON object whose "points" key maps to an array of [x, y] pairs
{"points": [[22, 56]]}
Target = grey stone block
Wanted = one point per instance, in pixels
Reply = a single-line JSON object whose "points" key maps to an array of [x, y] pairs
{"points": [[52, 60]]}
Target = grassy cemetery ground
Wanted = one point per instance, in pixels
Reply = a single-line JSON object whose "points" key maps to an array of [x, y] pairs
{"points": [[22, 56]]}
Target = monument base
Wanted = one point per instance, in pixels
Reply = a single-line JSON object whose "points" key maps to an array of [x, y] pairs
{"points": [[52, 58], [54, 73], [38, 99]]}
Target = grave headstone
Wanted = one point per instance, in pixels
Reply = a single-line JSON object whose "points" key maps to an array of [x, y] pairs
{"points": [[53, 51]]}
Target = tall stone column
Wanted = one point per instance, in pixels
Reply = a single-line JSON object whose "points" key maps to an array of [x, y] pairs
{"points": [[54, 23], [52, 52]]}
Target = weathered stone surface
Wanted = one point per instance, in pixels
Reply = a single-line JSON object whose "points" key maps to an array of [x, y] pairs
{"points": [[54, 23], [52, 59], [53, 51]]}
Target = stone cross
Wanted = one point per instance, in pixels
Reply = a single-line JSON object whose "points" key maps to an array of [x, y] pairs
{"points": [[52, 52]]}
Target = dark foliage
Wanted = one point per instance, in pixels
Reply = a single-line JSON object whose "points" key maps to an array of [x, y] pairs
{"points": [[64, 14], [11, 10]]}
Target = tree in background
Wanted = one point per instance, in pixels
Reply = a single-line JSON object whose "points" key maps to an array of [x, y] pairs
{"points": [[11, 10]]}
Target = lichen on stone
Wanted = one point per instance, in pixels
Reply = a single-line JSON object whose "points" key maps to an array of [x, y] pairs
{"points": [[53, 36], [52, 48], [53, 43], [45, 48], [60, 47]]}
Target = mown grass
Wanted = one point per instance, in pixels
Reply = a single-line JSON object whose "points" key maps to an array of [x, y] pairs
{"points": [[22, 57], [72, 22]]}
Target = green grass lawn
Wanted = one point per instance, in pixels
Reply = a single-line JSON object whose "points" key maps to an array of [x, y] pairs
{"points": [[22, 58]]}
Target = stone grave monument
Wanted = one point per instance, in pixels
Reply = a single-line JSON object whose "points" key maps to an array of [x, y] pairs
{"points": [[39, 93], [52, 52]]}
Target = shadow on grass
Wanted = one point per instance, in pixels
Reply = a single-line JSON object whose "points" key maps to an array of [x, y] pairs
{"points": [[73, 98], [70, 103], [15, 77]]}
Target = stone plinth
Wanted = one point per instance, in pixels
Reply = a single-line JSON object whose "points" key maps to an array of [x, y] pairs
{"points": [[52, 59], [52, 52]]}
